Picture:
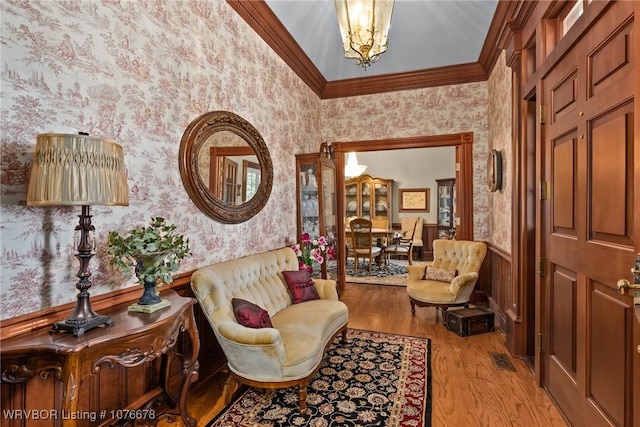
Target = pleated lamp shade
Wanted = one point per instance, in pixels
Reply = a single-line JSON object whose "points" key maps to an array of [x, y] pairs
{"points": [[71, 169]]}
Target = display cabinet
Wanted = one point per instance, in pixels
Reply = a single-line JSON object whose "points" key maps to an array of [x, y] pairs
{"points": [[316, 203], [446, 208], [368, 197]]}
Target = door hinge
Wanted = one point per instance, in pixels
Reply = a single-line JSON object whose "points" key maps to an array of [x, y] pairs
{"points": [[457, 167], [541, 266], [542, 114], [543, 192], [539, 343]]}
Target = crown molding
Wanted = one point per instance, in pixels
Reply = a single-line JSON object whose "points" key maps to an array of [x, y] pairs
{"points": [[265, 23], [498, 30], [432, 77]]}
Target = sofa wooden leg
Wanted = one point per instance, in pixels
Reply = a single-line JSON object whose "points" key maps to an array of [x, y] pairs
{"points": [[413, 308], [302, 398], [344, 337], [230, 387]]}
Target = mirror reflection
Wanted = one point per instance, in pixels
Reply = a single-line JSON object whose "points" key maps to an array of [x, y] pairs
{"points": [[225, 167], [229, 168]]}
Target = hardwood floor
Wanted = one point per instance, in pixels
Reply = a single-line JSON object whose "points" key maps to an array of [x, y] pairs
{"points": [[468, 390]]}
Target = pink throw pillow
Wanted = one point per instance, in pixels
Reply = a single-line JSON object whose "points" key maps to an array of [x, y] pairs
{"points": [[300, 285], [250, 315]]}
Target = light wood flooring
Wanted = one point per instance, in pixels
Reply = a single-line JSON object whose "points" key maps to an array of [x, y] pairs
{"points": [[468, 390]]}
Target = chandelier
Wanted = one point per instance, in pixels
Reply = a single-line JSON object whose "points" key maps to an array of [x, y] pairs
{"points": [[353, 168], [364, 25]]}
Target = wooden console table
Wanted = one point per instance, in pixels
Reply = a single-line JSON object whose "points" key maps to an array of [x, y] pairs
{"points": [[116, 375]]}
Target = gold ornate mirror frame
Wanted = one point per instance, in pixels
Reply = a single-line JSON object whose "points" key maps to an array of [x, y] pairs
{"points": [[193, 139]]}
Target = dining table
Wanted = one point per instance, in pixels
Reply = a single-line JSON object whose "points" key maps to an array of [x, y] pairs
{"points": [[380, 234], [391, 235]]}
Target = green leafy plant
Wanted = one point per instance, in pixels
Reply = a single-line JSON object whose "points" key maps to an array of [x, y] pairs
{"points": [[153, 251]]}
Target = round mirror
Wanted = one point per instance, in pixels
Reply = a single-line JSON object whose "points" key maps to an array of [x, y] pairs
{"points": [[225, 167]]}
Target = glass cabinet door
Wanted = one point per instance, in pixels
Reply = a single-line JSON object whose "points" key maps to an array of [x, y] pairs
{"points": [[317, 215], [365, 207], [351, 199], [369, 197], [309, 205], [382, 200], [329, 213], [446, 208]]}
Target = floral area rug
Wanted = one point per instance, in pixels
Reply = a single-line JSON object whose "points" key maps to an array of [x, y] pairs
{"points": [[393, 274], [375, 379]]}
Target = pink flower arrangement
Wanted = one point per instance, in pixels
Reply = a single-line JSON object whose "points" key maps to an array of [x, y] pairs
{"points": [[312, 250]]}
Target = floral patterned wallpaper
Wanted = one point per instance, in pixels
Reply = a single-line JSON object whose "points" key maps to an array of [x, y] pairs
{"points": [[138, 72], [500, 138]]}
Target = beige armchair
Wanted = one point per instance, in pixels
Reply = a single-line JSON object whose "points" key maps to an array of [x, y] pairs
{"points": [[407, 224], [450, 279]]}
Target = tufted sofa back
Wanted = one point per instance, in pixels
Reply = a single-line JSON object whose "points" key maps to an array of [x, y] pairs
{"points": [[462, 255], [256, 278]]}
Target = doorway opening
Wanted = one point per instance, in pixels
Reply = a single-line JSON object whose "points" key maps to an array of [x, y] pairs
{"points": [[463, 144]]}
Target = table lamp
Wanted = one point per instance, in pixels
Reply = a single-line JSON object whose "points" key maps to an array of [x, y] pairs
{"points": [[80, 170]]}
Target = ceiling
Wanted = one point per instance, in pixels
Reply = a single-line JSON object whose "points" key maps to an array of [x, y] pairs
{"points": [[424, 34]]}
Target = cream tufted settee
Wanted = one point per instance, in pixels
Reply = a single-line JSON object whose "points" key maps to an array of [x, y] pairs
{"points": [[453, 275], [290, 352]]}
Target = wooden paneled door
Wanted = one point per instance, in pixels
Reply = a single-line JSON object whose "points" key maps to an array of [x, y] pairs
{"points": [[590, 234]]}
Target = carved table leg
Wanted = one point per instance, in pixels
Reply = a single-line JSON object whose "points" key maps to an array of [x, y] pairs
{"points": [[190, 366], [71, 375]]}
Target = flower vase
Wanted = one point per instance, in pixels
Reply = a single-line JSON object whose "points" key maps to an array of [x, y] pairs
{"points": [[303, 266], [150, 295], [150, 301]]}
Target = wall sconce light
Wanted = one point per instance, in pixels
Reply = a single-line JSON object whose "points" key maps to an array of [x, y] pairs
{"points": [[78, 170], [364, 25]]}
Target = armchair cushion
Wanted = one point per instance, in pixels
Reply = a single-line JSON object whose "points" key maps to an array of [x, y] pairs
{"points": [[301, 286], [440, 274], [250, 315]]}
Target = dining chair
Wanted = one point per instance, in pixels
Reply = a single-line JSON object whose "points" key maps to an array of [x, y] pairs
{"points": [[362, 239], [347, 237], [382, 223], [403, 246], [407, 223]]}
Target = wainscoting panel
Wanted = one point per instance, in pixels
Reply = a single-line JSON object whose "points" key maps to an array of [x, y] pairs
{"points": [[502, 294]]}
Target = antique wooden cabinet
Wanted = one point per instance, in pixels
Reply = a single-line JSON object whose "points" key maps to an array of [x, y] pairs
{"points": [[368, 197], [316, 203], [117, 375], [446, 195]]}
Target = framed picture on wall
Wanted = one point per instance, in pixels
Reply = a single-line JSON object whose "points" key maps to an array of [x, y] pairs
{"points": [[414, 200]]}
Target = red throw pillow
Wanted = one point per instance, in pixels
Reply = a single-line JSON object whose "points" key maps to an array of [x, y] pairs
{"points": [[301, 286], [250, 315]]}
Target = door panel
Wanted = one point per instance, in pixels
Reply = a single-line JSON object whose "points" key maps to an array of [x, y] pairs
{"points": [[564, 184], [589, 237], [610, 365], [612, 176]]}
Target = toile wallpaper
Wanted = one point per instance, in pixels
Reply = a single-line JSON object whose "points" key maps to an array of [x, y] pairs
{"points": [[500, 138], [138, 72]]}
